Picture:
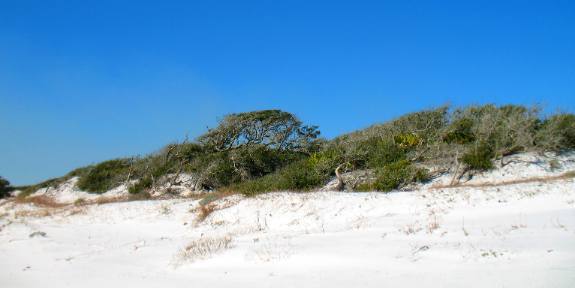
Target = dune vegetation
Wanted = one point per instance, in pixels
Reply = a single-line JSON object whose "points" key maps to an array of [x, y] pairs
{"points": [[272, 150]]}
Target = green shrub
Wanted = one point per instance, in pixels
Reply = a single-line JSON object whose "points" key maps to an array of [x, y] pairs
{"points": [[479, 157], [407, 140], [215, 170], [567, 127], [219, 169], [324, 162], [187, 151], [460, 132], [383, 152], [5, 188], [398, 174], [257, 161], [557, 133], [104, 176], [508, 129], [142, 185], [298, 176], [394, 176], [271, 150]]}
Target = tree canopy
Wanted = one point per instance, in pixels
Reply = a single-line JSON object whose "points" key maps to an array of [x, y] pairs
{"points": [[274, 129]]}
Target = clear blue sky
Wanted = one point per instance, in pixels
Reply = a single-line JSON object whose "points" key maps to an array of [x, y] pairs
{"points": [[86, 81]]}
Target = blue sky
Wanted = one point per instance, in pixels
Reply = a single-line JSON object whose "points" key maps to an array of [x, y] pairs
{"points": [[86, 81]]}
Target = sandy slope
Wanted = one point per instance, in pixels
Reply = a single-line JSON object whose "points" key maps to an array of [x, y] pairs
{"points": [[520, 235]]}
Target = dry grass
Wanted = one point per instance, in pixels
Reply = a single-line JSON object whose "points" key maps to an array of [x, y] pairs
{"points": [[564, 176], [48, 211], [203, 248], [204, 211], [40, 201], [411, 229], [432, 225], [44, 212]]}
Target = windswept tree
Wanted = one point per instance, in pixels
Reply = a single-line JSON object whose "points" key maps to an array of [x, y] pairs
{"points": [[253, 144], [273, 129]]}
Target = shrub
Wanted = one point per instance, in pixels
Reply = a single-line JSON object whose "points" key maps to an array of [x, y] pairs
{"points": [[187, 151], [407, 140], [394, 176], [507, 129], [223, 168], [215, 170], [426, 124], [408, 137], [383, 152], [480, 157], [298, 176], [398, 174], [324, 162], [104, 176], [250, 145], [271, 150], [460, 132], [5, 188], [141, 185], [557, 133], [257, 161], [566, 124]]}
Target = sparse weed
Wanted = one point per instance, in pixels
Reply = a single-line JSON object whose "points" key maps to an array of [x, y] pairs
{"points": [[203, 248], [204, 211]]}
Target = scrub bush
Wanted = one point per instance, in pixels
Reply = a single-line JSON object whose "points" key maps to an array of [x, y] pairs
{"points": [[104, 176], [479, 157]]}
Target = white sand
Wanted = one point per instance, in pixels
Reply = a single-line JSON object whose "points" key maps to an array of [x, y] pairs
{"points": [[520, 235]]}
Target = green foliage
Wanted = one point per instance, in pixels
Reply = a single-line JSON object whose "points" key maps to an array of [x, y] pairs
{"points": [[506, 129], [271, 150], [219, 169], [394, 176], [274, 129], [426, 124], [566, 125], [557, 133], [298, 176], [460, 132], [480, 157], [257, 161], [141, 185], [383, 152], [325, 161], [250, 145], [5, 188], [407, 140], [104, 176]]}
